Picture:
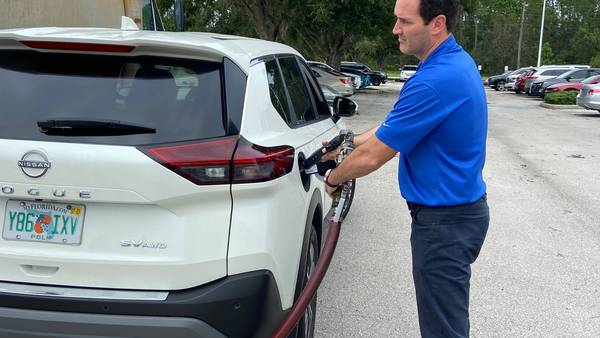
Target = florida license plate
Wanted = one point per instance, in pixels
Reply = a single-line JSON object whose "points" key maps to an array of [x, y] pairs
{"points": [[59, 223]]}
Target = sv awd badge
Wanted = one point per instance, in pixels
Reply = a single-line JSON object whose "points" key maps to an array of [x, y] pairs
{"points": [[142, 244], [34, 163]]}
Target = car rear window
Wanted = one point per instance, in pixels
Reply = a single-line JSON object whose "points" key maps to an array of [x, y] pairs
{"points": [[180, 99], [409, 68]]}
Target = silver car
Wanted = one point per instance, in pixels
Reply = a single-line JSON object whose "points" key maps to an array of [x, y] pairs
{"points": [[356, 81], [542, 74], [589, 96], [340, 84]]}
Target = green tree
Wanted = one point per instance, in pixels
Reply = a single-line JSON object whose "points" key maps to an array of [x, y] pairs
{"points": [[547, 54], [329, 29], [595, 61]]}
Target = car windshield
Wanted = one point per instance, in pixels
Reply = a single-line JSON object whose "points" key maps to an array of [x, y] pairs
{"points": [[178, 99]]}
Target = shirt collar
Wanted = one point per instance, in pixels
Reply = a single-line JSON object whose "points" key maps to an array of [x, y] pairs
{"points": [[444, 47]]}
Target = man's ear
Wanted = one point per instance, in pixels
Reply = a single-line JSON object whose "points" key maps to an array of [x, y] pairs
{"points": [[438, 24]]}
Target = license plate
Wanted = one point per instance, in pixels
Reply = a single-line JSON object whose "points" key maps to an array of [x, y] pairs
{"points": [[33, 221]]}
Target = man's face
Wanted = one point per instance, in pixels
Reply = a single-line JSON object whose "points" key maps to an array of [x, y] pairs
{"points": [[413, 35]]}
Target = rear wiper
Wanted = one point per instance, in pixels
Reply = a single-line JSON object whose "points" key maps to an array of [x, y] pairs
{"points": [[73, 127]]}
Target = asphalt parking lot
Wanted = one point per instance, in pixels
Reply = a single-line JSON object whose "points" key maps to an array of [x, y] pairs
{"points": [[538, 273]]}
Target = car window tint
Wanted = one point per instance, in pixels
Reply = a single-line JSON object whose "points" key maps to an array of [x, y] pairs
{"points": [[277, 90], [320, 102], [580, 74], [301, 103], [554, 72], [180, 99]]}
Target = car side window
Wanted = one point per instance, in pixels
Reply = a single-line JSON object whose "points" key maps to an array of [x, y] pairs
{"points": [[317, 94], [277, 90], [554, 72], [580, 74], [301, 103]]}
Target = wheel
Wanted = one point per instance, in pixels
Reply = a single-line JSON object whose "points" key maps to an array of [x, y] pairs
{"points": [[306, 326], [501, 86], [376, 81]]}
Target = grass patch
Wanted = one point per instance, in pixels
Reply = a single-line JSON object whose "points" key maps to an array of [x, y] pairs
{"points": [[568, 97], [393, 73]]}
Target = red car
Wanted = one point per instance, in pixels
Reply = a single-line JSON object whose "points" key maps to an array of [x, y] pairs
{"points": [[576, 86], [520, 85]]}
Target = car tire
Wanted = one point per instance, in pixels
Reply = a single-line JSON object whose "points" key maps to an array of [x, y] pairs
{"points": [[501, 86], [306, 326], [376, 81]]}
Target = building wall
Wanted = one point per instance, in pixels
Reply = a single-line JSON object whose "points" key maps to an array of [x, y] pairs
{"points": [[67, 13]]}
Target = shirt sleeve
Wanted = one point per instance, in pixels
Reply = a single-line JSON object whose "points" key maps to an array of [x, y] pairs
{"points": [[417, 112]]}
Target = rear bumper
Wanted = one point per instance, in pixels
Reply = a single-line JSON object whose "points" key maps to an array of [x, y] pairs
{"points": [[588, 103], [17, 323], [245, 305]]}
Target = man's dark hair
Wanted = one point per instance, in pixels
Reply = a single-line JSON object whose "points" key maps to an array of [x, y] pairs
{"points": [[429, 9]]}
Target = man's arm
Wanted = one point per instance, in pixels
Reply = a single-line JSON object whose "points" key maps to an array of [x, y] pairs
{"points": [[363, 137], [365, 159]]}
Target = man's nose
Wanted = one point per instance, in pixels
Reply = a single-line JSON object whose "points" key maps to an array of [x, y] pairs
{"points": [[397, 29]]}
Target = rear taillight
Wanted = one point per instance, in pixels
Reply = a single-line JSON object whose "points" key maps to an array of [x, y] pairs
{"points": [[78, 46], [224, 161], [344, 81], [254, 163], [593, 91]]}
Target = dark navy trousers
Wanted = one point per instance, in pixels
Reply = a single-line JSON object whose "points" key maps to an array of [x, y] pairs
{"points": [[445, 242]]}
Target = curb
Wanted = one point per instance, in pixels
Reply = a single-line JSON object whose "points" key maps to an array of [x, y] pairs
{"points": [[560, 106]]}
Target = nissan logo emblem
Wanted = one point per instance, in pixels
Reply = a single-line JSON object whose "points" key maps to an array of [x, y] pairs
{"points": [[34, 164]]}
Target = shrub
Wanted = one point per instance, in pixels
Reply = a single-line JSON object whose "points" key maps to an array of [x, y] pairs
{"points": [[568, 97]]}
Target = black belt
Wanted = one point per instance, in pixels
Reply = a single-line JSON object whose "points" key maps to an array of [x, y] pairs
{"points": [[414, 206]]}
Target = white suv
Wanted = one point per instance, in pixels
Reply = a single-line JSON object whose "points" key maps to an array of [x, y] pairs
{"points": [[151, 183], [407, 71]]}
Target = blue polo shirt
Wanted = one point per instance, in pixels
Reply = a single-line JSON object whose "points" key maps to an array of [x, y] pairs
{"points": [[439, 127]]}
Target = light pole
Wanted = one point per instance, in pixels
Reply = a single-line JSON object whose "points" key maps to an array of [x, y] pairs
{"points": [[541, 34]]}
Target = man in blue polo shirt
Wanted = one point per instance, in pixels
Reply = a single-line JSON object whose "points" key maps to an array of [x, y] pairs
{"points": [[439, 127]]}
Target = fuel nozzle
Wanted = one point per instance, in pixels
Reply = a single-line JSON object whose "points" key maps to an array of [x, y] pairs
{"points": [[334, 143]]}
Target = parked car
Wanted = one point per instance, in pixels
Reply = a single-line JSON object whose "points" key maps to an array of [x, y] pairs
{"points": [[376, 77], [498, 82], [511, 79], [573, 76], [589, 96], [548, 72], [356, 80], [521, 79], [151, 183], [365, 78], [542, 74], [407, 71], [574, 86], [340, 84]]}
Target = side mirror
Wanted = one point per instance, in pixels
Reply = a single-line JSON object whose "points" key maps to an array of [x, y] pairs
{"points": [[179, 16], [343, 107], [316, 74]]}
